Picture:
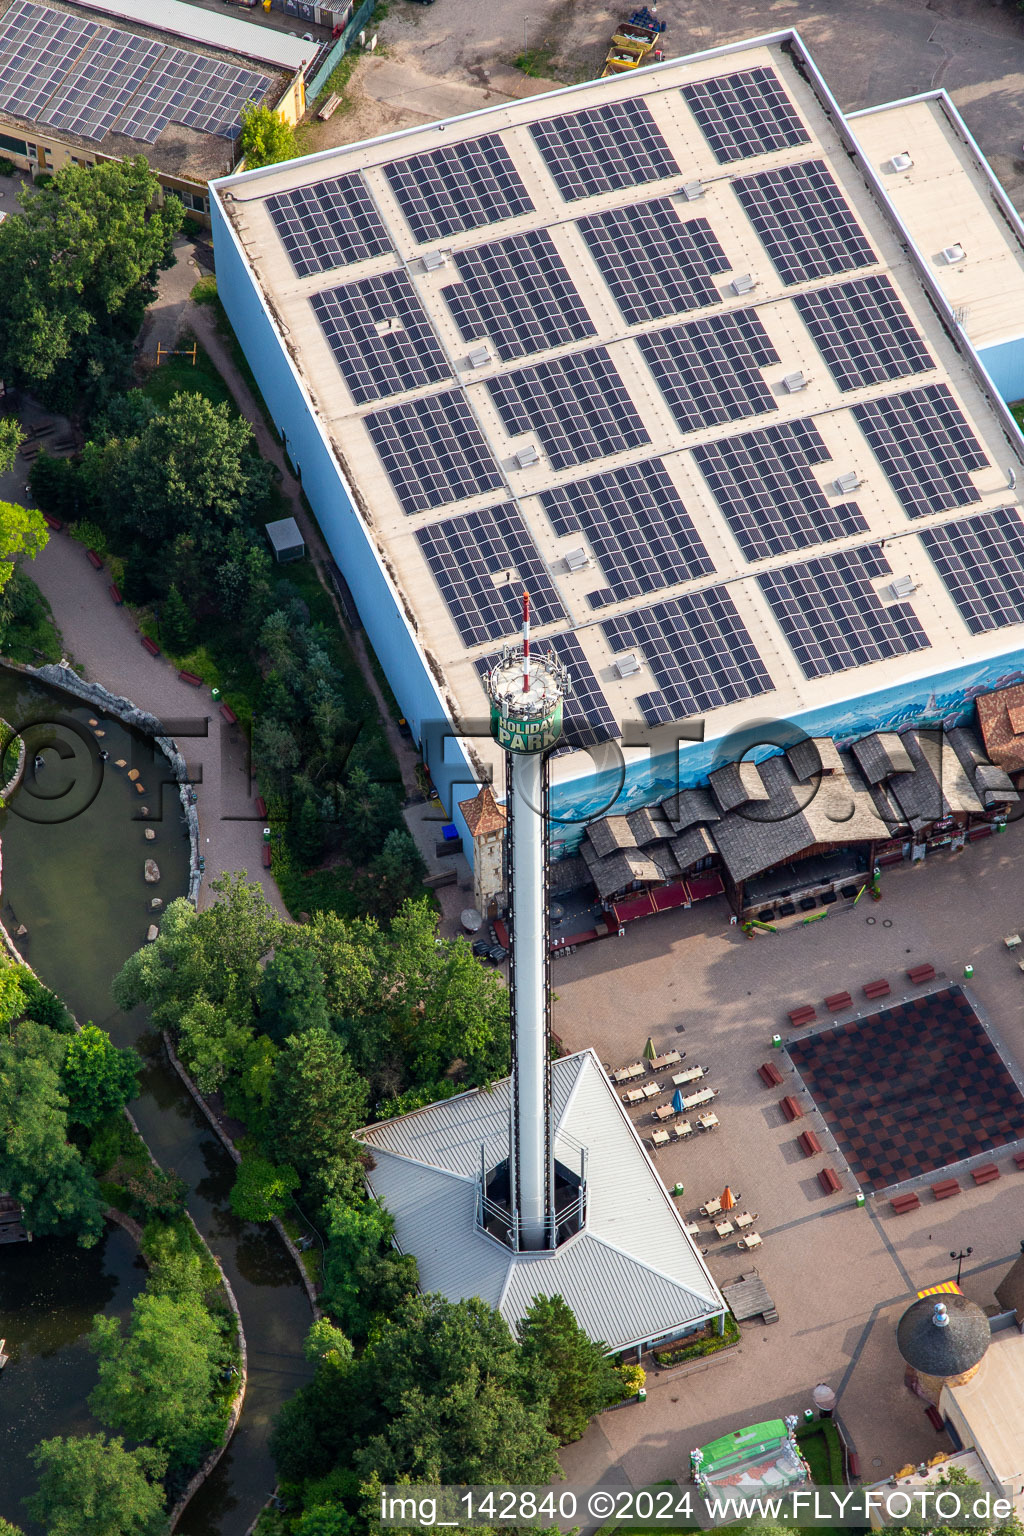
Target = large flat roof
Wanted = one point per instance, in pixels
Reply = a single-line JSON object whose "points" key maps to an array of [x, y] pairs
{"points": [[199, 25], [687, 437]]}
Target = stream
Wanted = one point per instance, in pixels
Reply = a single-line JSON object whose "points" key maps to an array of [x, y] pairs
{"points": [[73, 877]]}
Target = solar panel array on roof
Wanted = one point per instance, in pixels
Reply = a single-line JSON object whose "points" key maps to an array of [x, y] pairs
{"points": [[37, 48], [381, 336], [863, 332], [577, 405], [329, 224], [772, 502], [637, 526], [461, 186], [831, 614], [105, 80], [601, 148], [433, 451], [981, 562], [481, 562], [168, 90], [709, 369], [586, 714], [803, 221], [699, 650], [925, 447], [745, 114], [518, 294], [221, 96], [654, 262]]}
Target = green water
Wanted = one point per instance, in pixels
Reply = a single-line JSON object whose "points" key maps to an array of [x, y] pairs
{"points": [[76, 883]]}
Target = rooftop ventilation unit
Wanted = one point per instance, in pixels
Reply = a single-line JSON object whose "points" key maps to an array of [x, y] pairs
{"points": [[626, 666], [952, 254], [527, 456], [433, 261], [742, 283], [901, 162], [692, 190], [793, 382], [577, 559], [479, 356], [902, 586], [844, 484]]}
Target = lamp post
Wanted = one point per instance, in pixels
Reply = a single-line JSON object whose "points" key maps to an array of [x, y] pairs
{"points": [[525, 50], [964, 1253]]}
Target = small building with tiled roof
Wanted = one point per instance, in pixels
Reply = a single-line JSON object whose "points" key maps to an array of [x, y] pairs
{"points": [[1001, 723]]}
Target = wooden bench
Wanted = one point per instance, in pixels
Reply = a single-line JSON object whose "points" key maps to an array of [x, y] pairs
{"points": [[918, 974], [771, 1076], [829, 1181], [810, 1146], [901, 1204], [935, 1418], [1018, 1158], [261, 806], [115, 595], [94, 559], [329, 107], [229, 714], [191, 678], [945, 1188], [853, 1463], [838, 1001], [52, 522], [802, 1015], [985, 1174], [791, 1107], [266, 855], [875, 989], [150, 646]]}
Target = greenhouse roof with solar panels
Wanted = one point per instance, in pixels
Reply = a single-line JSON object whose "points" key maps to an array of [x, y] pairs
{"points": [[660, 351]]}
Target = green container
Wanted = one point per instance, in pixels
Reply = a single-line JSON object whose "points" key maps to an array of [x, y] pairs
{"points": [[215, 694], [776, 1042], [860, 1199], [641, 1396], [968, 971], [678, 1190]]}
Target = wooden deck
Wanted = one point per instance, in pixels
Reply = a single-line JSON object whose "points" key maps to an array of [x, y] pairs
{"points": [[748, 1297]]}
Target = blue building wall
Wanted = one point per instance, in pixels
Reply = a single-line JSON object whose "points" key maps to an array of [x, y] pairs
{"points": [[346, 536], [1005, 364]]}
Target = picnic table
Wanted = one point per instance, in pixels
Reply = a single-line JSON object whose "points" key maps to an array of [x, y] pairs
{"points": [[708, 1122], [724, 1228], [693, 1228], [627, 1074], [695, 1100], [660, 1138], [669, 1059], [663, 1112], [712, 1208], [752, 1240], [633, 1096], [691, 1075], [651, 1090], [744, 1219], [682, 1129]]}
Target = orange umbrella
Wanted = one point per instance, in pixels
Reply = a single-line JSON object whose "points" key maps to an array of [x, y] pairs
{"points": [[728, 1199]]}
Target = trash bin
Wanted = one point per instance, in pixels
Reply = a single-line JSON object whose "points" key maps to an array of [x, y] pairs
{"points": [[968, 971], [215, 695], [776, 1041]]}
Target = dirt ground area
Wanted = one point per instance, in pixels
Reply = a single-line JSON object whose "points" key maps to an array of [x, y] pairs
{"points": [[840, 1276], [458, 55]]}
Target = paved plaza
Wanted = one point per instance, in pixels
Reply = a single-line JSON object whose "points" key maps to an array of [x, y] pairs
{"points": [[840, 1276]]}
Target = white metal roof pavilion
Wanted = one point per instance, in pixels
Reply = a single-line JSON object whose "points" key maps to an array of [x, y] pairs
{"points": [[633, 1275]]}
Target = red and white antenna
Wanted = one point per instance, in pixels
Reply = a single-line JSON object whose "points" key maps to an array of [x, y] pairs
{"points": [[526, 642]]}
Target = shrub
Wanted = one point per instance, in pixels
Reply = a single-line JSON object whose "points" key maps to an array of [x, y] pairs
{"points": [[707, 1342], [205, 291], [91, 535], [43, 178], [191, 227], [7, 167], [44, 1006]]}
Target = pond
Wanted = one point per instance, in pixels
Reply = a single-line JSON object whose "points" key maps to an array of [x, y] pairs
{"points": [[73, 877]]}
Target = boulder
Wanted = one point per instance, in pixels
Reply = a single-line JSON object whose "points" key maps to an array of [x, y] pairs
{"points": [[133, 774], [156, 905], [21, 932], [140, 789], [152, 872], [121, 763], [149, 835], [98, 732], [152, 932]]}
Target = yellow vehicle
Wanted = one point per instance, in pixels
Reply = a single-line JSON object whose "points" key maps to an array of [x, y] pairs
{"points": [[620, 59], [631, 36]]}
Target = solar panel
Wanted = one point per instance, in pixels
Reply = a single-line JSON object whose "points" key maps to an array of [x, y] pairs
{"points": [[803, 221], [518, 293], [745, 114], [177, 78], [863, 332], [654, 262], [763, 484], [219, 107], [699, 650], [981, 562], [831, 614], [586, 714], [617, 145], [381, 336], [709, 370], [329, 224], [925, 447], [433, 451], [577, 406], [461, 186], [102, 85], [45, 46], [481, 562], [636, 525]]}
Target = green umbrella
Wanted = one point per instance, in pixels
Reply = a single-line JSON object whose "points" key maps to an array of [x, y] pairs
{"points": [[649, 1050]]}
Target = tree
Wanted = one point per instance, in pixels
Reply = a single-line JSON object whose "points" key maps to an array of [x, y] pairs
{"points": [[319, 1102], [262, 1189], [92, 1486], [292, 995], [364, 1274], [11, 438], [324, 1342], [266, 137], [7, 1529], [157, 1383], [98, 1077], [38, 1165], [968, 1489], [22, 532], [13, 992], [397, 872], [176, 627], [565, 1367], [77, 270]]}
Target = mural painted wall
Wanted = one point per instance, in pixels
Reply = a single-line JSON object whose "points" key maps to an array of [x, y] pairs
{"points": [[945, 699], [1005, 365]]}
